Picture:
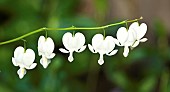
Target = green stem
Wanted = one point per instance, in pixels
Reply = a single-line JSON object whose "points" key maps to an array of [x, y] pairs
{"points": [[46, 34], [69, 28], [104, 33], [24, 44], [127, 25]]}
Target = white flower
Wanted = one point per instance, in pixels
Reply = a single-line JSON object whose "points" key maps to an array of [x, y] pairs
{"points": [[73, 43], [140, 31], [131, 37], [102, 46], [24, 59], [45, 49]]}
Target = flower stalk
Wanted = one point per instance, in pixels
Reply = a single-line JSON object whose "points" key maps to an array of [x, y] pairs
{"points": [[69, 28]]}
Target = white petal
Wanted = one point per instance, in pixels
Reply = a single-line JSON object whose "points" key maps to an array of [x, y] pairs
{"points": [[70, 58], [63, 50], [81, 49], [41, 43], [143, 40], [116, 42], [44, 62], [134, 26], [21, 72], [126, 51], [135, 44], [67, 40], [18, 51], [32, 66], [50, 56], [112, 53], [122, 35], [49, 45], [28, 57], [97, 41], [108, 44], [101, 61], [79, 40], [131, 37], [142, 31], [18, 54], [14, 62], [91, 48]]}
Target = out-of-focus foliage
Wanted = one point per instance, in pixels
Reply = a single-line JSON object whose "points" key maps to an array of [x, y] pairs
{"points": [[146, 69]]}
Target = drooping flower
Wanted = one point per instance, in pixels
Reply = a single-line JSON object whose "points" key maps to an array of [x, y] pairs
{"points": [[140, 31], [102, 46], [73, 43], [24, 59], [45, 49], [131, 37]]}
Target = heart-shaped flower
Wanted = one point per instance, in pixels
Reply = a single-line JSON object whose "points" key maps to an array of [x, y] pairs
{"points": [[24, 59], [140, 31], [73, 43], [102, 46], [45, 49]]}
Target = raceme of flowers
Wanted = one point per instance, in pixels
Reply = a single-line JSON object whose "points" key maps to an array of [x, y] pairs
{"points": [[101, 44]]}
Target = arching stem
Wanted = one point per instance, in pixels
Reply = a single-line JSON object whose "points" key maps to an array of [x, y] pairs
{"points": [[69, 28]]}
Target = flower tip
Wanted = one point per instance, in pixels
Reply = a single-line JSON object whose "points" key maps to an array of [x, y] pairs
{"points": [[21, 72], [45, 66], [125, 55], [70, 58], [44, 62], [21, 76], [101, 62]]}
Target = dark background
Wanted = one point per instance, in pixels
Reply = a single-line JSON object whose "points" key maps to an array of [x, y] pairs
{"points": [[146, 69]]}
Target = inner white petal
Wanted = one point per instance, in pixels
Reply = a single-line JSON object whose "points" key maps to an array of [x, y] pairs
{"points": [[44, 61], [101, 61], [126, 51], [70, 58], [21, 72]]}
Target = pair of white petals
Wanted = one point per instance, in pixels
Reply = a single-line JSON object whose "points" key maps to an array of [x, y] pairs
{"points": [[25, 58], [131, 37], [102, 46], [73, 43], [45, 49]]}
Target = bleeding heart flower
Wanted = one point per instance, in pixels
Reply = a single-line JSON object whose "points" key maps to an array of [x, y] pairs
{"points": [[45, 49], [73, 43], [102, 46], [24, 59], [140, 31]]}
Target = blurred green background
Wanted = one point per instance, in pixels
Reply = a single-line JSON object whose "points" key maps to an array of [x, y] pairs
{"points": [[146, 69]]}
